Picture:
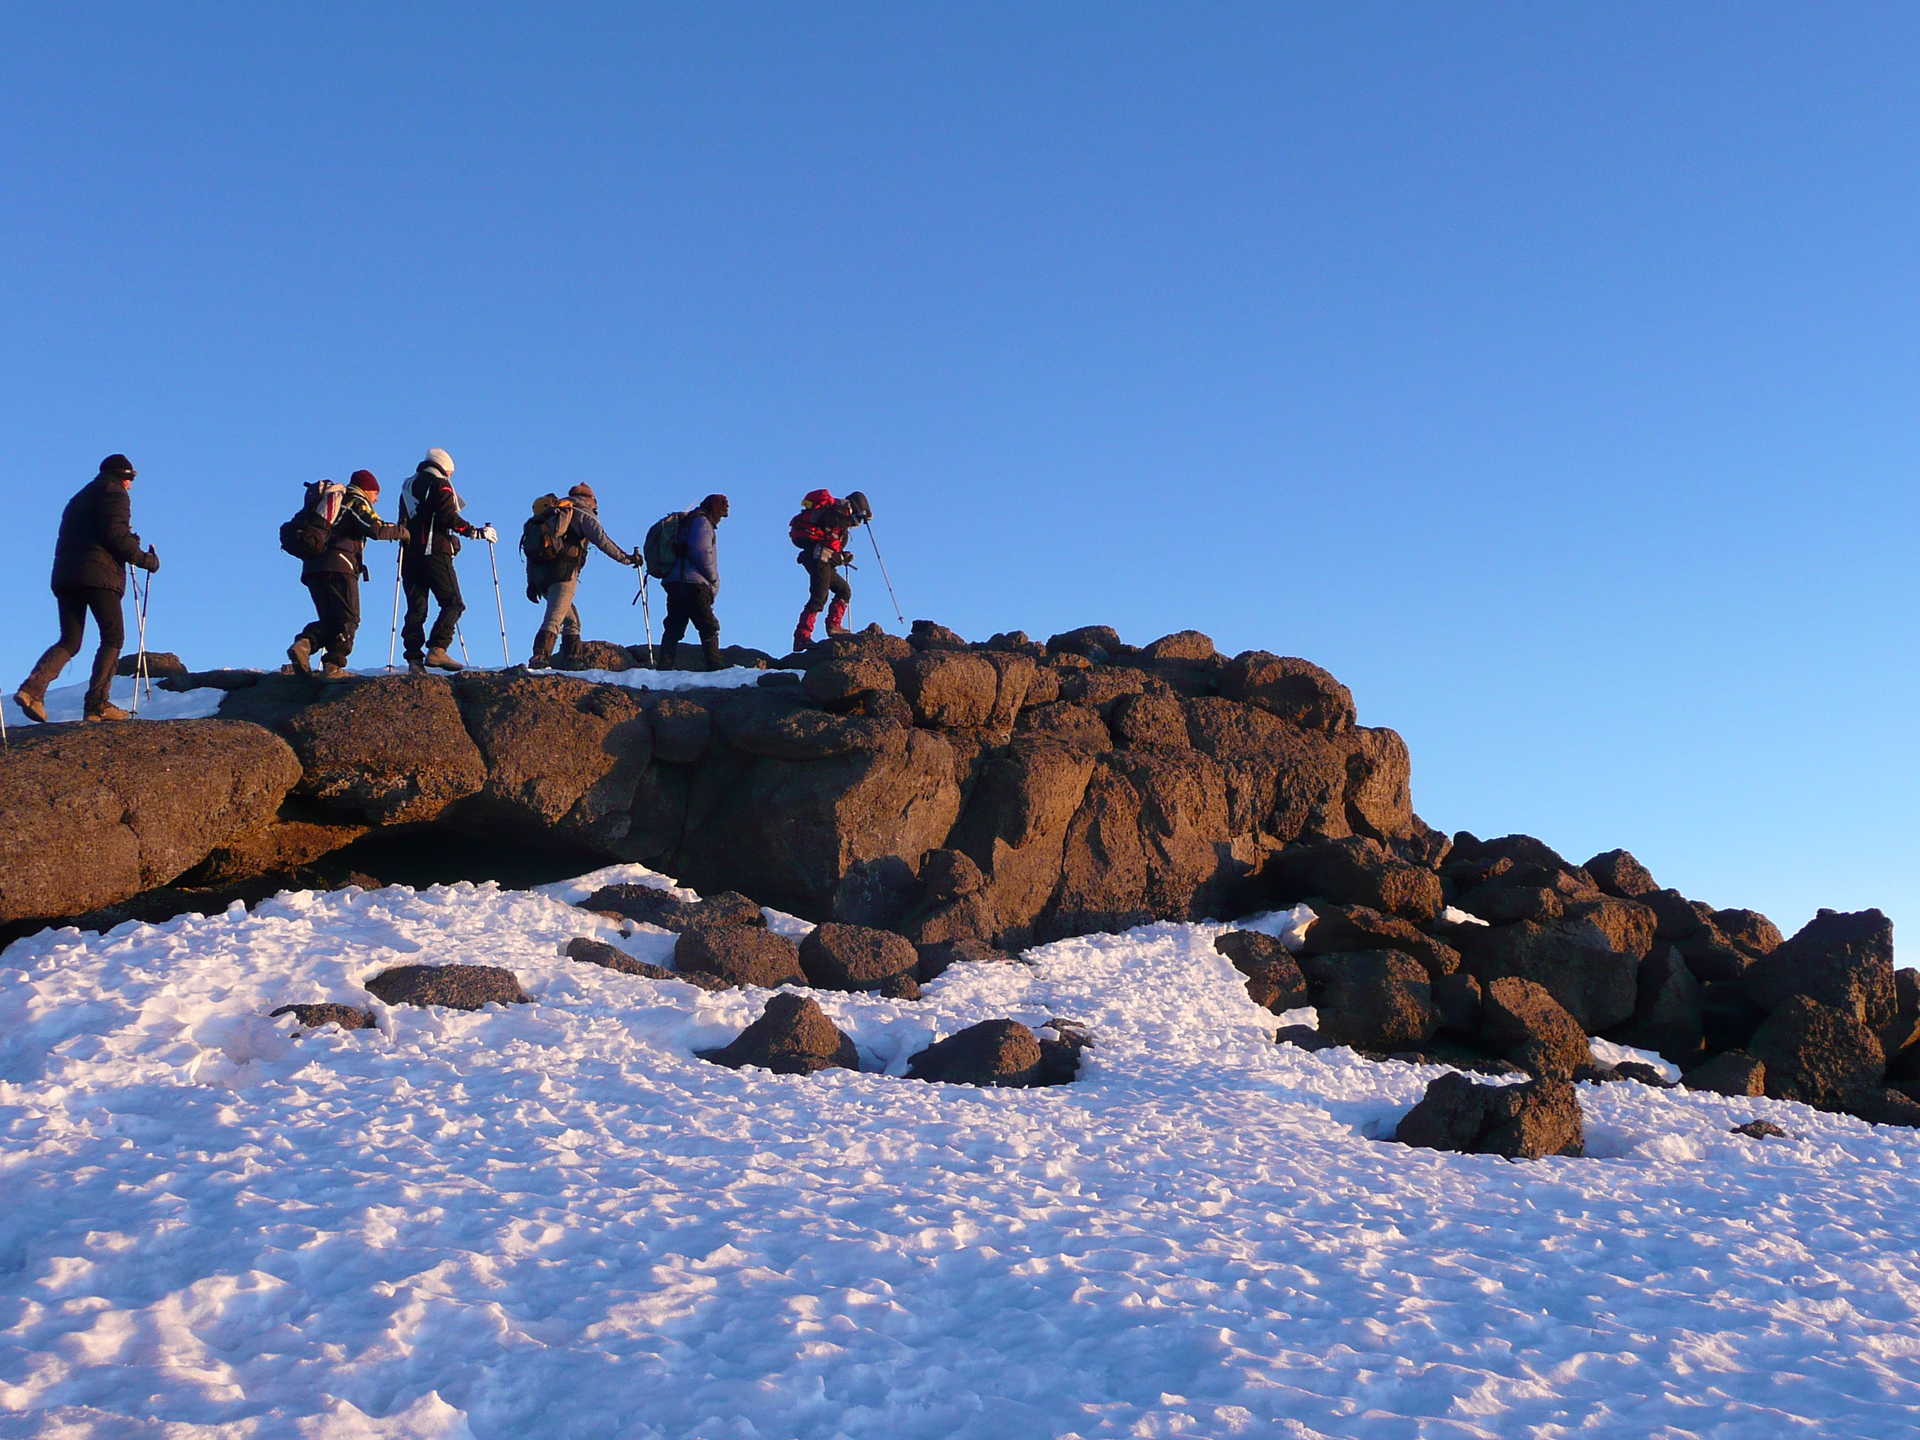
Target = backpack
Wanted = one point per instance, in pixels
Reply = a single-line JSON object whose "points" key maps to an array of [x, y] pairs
{"points": [[547, 536], [663, 545], [306, 535]]}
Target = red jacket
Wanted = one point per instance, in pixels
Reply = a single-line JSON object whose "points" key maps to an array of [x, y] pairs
{"points": [[824, 525]]}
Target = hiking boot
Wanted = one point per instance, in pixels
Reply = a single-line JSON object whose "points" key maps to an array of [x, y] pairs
{"points": [[331, 672], [570, 647], [415, 667], [300, 652], [30, 706], [802, 636], [542, 653], [710, 652], [108, 711], [440, 660]]}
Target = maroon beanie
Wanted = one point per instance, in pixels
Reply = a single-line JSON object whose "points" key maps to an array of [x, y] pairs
{"points": [[366, 481], [582, 491]]}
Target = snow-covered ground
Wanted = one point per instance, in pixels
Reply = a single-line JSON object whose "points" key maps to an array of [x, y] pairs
{"points": [[67, 702], [554, 1221]]}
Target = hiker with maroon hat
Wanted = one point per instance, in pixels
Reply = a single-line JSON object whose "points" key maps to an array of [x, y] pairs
{"points": [[691, 583], [555, 540], [90, 562], [430, 510], [333, 576], [820, 530]]}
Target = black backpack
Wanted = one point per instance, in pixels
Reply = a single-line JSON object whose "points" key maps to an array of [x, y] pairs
{"points": [[663, 545], [306, 535]]}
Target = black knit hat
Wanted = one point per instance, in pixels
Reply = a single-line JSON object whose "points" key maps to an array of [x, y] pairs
{"points": [[116, 465]]}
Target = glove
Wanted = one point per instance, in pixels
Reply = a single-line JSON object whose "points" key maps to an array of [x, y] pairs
{"points": [[489, 534], [637, 560], [150, 561], [535, 593]]}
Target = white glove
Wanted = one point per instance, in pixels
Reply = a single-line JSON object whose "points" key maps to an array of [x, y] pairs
{"points": [[489, 534]]}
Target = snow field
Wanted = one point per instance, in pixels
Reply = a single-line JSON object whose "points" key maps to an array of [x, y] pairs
{"points": [[553, 1220]]}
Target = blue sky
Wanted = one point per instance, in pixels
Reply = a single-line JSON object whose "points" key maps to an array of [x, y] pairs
{"points": [[1546, 373]]}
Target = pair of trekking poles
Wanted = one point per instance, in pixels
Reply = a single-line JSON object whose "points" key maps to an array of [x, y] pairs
{"points": [[499, 605]]}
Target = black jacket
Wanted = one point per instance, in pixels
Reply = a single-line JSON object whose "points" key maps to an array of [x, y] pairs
{"points": [[96, 541], [432, 514]]}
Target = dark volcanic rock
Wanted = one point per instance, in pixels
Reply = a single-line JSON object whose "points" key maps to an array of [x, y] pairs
{"points": [[387, 751], [651, 905], [1273, 976], [1354, 870], [1521, 1022], [839, 684], [608, 957], [1841, 960], [312, 1017], [1668, 1013], [1597, 986], [159, 664], [994, 1052], [856, 957], [96, 814], [1378, 1000], [458, 987], [1732, 1072], [1618, 873], [948, 688], [1758, 1130], [1522, 1122], [793, 1036], [941, 956], [1340, 928], [1819, 1054], [739, 955], [1297, 691]]}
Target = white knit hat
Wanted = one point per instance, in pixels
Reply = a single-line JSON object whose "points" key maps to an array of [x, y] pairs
{"points": [[441, 461]]}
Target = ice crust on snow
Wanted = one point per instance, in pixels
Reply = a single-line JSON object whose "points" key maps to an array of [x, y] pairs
{"points": [[552, 1220]]}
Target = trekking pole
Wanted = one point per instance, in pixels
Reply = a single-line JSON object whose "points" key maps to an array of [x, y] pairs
{"points": [[393, 632], [460, 635], [140, 626], [898, 613], [146, 670], [646, 615], [500, 605]]}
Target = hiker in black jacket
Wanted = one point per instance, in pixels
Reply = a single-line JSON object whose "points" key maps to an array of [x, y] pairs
{"points": [[566, 528], [96, 545], [430, 509], [333, 577]]}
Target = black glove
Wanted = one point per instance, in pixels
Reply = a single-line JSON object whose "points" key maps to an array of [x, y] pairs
{"points": [[534, 592], [150, 561]]}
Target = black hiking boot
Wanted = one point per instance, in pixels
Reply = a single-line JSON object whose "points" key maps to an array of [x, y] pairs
{"points": [[107, 711], [299, 654], [31, 706], [415, 667], [710, 652], [441, 660]]}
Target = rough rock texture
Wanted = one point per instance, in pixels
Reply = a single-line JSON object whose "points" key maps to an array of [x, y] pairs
{"points": [[940, 956], [1373, 1000], [994, 1052], [608, 957], [1597, 986], [651, 905], [793, 1036], [739, 955], [1522, 1122], [312, 1017], [1341, 928], [385, 751], [458, 987], [99, 813], [856, 957], [1354, 870], [1841, 960], [1821, 1054], [1521, 1022], [1273, 976], [1732, 1072]]}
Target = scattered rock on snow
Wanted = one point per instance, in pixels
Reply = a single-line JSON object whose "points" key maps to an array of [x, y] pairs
{"points": [[994, 1052], [312, 1017], [607, 957], [1759, 1130], [857, 957], [1523, 1122], [1732, 1072], [458, 987], [1273, 976], [793, 1036], [1521, 1022], [739, 955]]}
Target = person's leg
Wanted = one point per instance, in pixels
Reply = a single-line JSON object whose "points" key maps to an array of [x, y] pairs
{"points": [[341, 618], [559, 599], [106, 608], [413, 580], [700, 604], [675, 625], [445, 583], [73, 629], [570, 636], [837, 611], [819, 574]]}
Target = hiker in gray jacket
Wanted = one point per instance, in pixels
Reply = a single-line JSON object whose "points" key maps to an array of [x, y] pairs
{"points": [[555, 542]]}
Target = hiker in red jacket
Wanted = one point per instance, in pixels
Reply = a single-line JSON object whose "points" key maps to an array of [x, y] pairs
{"points": [[820, 530]]}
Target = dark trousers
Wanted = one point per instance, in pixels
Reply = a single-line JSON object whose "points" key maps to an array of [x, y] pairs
{"points": [[824, 578], [688, 601], [422, 575], [336, 600], [74, 602]]}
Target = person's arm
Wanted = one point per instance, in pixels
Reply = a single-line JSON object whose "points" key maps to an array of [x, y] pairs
{"points": [[116, 527], [589, 525], [702, 558], [446, 515]]}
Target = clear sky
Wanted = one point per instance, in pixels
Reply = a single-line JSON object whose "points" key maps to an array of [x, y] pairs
{"points": [[1545, 372]]}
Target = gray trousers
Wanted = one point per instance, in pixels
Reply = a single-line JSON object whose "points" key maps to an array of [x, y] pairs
{"points": [[563, 616]]}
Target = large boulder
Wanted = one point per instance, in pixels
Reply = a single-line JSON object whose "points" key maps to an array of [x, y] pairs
{"points": [[608, 957], [651, 905], [96, 814], [739, 955], [1373, 1000], [1273, 976], [993, 1053], [1340, 929], [948, 688], [1297, 691], [1354, 870], [1619, 874], [857, 957], [1521, 1122], [1841, 960], [1521, 1022], [388, 751], [1668, 1013], [558, 754], [1731, 1072], [1597, 986], [1823, 1055], [793, 1036]]}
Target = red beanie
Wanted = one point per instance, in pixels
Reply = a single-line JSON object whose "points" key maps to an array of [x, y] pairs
{"points": [[365, 480]]}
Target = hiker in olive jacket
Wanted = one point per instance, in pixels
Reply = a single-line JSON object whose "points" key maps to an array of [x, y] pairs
{"points": [[96, 545], [557, 581], [333, 578], [430, 509]]}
